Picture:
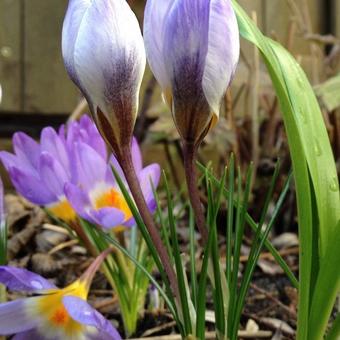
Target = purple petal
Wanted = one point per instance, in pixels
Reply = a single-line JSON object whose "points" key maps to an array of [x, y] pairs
{"points": [[114, 75], [114, 163], [15, 316], [31, 187], [82, 312], [136, 155], [154, 21], [30, 335], [9, 160], [86, 131], [149, 174], [53, 174], [107, 218], [186, 44], [2, 205], [27, 149], [91, 167], [55, 146], [74, 15], [78, 199], [19, 279], [223, 52]]}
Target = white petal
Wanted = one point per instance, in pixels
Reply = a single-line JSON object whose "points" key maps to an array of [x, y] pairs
{"points": [[223, 52], [74, 15], [109, 54], [154, 23]]}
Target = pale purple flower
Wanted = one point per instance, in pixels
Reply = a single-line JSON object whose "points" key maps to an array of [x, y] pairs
{"points": [[53, 313], [39, 171], [193, 48], [104, 55], [97, 196]]}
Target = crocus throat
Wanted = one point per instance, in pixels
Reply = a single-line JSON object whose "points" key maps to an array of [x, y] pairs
{"points": [[51, 307], [113, 198], [63, 210]]}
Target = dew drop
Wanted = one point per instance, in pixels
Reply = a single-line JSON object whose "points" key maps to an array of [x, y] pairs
{"points": [[334, 186], [317, 147], [302, 115], [36, 284]]}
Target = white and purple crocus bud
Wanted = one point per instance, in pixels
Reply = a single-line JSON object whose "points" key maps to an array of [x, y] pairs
{"points": [[104, 55], [193, 49]]}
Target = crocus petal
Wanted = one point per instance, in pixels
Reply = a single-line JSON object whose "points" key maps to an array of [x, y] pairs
{"points": [[52, 174], [32, 334], [74, 15], [2, 206], [26, 148], [149, 174], [19, 279], [136, 155], [107, 218], [9, 160], [31, 187], [15, 316], [91, 167], [223, 52], [82, 312], [78, 199], [109, 59], [154, 21], [52, 143]]}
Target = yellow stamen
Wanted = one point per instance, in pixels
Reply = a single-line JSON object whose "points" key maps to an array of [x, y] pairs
{"points": [[51, 306], [112, 198], [63, 210]]}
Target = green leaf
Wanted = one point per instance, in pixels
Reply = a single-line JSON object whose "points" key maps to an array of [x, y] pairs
{"points": [[312, 158]]}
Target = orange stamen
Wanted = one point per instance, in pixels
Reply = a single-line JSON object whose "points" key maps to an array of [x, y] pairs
{"points": [[112, 198]]}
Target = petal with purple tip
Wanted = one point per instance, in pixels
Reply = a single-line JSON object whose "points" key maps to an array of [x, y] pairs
{"points": [[53, 174], [113, 76], [30, 335], [108, 217], [31, 187], [78, 199], [27, 149], [154, 22], [136, 155], [91, 167], [52, 143], [74, 16], [149, 174], [223, 52], [82, 312], [19, 279]]}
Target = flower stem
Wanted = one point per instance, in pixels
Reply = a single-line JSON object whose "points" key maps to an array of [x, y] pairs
{"points": [[125, 160], [189, 154]]}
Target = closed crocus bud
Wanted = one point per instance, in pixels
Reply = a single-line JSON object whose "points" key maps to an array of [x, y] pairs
{"points": [[193, 48], [104, 55]]}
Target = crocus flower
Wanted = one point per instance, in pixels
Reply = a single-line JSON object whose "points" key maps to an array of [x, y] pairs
{"points": [[2, 205], [53, 313], [193, 48], [39, 171], [97, 197], [104, 55]]}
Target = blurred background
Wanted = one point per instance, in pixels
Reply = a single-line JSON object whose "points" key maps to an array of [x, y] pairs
{"points": [[37, 92]]}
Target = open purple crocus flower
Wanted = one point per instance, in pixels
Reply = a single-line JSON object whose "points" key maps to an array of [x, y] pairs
{"points": [[39, 171], [97, 197], [53, 314]]}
